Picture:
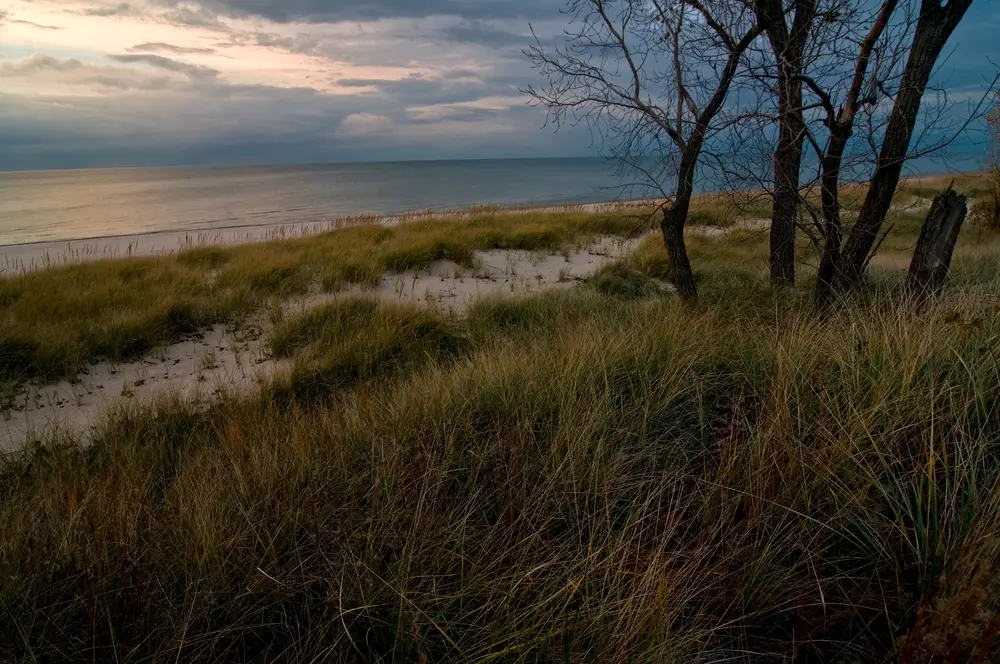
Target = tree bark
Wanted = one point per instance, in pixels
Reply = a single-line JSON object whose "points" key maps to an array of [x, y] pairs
{"points": [[788, 48], [932, 257], [833, 233], [672, 227], [787, 163], [934, 27]]}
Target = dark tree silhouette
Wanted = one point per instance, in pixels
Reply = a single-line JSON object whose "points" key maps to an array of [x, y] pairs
{"points": [[650, 77]]}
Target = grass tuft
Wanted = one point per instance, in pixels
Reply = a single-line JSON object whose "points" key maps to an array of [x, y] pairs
{"points": [[355, 340], [622, 281]]}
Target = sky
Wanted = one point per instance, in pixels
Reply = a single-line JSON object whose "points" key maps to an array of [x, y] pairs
{"points": [[87, 83]]}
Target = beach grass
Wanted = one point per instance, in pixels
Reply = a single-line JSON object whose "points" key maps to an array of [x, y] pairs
{"points": [[53, 321], [601, 474], [570, 477]]}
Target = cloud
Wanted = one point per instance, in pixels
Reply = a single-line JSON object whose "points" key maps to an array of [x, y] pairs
{"points": [[437, 114], [160, 47], [196, 17], [361, 124], [316, 11], [418, 90], [35, 25], [36, 64], [184, 13], [484, 34], [299, 43], [39, 72], [121, 9], [160, 62]]}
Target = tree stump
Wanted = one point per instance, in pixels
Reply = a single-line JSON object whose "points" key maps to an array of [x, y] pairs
{"points": [[932, 256]]}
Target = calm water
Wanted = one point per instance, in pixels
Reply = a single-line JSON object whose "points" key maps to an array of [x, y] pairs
{"points": [[54, 206], [49, 206]]}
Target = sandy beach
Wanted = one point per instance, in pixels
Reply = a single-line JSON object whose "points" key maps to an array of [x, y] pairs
{"points": [[38, 255]]}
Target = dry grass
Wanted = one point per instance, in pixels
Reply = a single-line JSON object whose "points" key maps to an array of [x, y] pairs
{"points": [[599, 475], [571, 477]]}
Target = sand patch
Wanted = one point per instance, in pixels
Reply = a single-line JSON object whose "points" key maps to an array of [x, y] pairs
{"points": [[197, 369], [452, 287]]}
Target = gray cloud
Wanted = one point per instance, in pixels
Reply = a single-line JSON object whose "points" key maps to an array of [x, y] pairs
{"points": [[160, 47], [182, 13], [38, 63], [455, 114], [40, 68], [199, 17], [225, 123], [36, 25], [417, 90], [160, 62], [352, 10], [300, 43], [121, 9], [481, 33]]}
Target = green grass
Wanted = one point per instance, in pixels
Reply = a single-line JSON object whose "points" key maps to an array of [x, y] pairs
{"points": [[624, 281], [54, 320], [341, 344]]}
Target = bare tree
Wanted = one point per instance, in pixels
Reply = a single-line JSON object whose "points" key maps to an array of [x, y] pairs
{"points": [[934, 26], [650, 78], [857, 70], [861, 89]]}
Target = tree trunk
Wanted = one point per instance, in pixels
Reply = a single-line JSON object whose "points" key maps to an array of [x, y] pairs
{"points": [[788, 47], [672, 227], [934, 27], [787, 163], [680, 265], [932, 257], [833, 234]]}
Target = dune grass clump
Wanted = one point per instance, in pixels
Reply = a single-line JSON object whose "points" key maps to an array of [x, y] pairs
{"points": [[623, 281], [53, 321], [344, 343]]}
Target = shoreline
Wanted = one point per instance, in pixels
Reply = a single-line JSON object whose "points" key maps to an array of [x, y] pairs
{"points": [[30, 256]]}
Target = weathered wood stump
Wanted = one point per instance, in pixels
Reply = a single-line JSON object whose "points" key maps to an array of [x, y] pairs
{"points": [[932, 256]]}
